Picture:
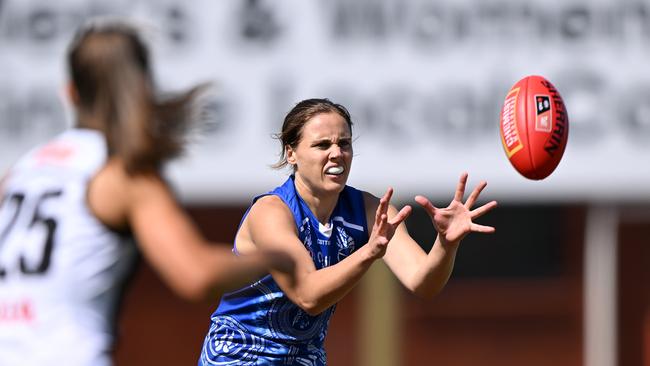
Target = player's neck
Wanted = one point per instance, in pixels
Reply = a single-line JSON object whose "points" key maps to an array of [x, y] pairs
{"points": [[321, 204], [86, 121]]}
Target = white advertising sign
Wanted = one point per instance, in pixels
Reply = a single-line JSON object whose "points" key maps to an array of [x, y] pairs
{"points": [[424, 81]]}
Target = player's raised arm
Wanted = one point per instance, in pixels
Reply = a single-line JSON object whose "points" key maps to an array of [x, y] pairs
{"points": [[426, 274]]}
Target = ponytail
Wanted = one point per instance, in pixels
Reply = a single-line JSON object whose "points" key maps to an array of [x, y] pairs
{"points": [[109, 66]]}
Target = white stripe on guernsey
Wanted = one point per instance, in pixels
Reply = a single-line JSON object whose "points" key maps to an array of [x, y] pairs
{"points": [[347, 224], [302, 224]]}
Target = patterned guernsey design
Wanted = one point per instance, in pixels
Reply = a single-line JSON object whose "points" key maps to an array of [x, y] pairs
{"points": [[258, 324]]}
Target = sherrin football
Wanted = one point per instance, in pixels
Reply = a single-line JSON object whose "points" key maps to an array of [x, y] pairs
{"points": [[534, 127]]}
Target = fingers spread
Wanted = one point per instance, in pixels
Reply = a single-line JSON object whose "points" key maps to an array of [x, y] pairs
{"points": [[387, 196], [401, 215], [482, 229], [460, 189], [382, 208], [475, 193], [480, 211], [426, 204], [421, 200], [382, 224]]}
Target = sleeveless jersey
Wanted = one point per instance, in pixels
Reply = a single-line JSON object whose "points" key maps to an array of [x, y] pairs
{"points": [[61, 270], [258, 324]]}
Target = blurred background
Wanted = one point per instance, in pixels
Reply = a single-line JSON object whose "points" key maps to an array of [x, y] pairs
{"points": [[565, 280]]}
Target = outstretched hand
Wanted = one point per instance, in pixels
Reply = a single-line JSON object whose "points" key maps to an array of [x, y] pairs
{"points": [[456, 220], [384, 229]]}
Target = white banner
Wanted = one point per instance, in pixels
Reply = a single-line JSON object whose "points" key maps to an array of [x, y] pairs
{"points": [[424, 81]]}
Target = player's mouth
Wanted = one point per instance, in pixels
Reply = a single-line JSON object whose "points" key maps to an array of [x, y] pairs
{"points": [[335, 170]]}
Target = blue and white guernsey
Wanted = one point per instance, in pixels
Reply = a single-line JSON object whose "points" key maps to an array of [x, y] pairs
{"points": [[258, 324]]}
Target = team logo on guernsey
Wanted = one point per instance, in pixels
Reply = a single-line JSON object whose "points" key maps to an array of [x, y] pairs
{"points": [[228, 343], [345, 243]]}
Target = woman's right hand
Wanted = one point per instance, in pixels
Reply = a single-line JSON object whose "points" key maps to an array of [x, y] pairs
{"points": [[384, 229]]}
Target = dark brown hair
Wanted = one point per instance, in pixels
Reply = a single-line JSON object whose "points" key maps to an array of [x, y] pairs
{"points": [[109, 67], [298, 116]]}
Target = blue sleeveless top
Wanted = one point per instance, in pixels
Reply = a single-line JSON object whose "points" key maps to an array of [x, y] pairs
{"points": [[258, 324]]}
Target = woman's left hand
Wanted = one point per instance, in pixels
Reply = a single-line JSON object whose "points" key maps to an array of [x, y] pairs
{"points": [[456, 220]]}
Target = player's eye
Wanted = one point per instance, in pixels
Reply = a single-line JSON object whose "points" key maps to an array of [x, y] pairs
{"points": [[323, 145], [344, 144]]}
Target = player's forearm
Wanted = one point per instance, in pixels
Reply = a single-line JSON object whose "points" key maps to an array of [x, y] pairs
{"points": [[208, 270], [434, 272], [228, 272], [323, 288]]}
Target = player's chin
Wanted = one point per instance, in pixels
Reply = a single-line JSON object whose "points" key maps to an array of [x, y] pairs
{"points": [[336, 182]]}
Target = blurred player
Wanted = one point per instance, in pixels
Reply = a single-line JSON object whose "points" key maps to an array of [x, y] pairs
{"points": [[71, 206], [334, 233]]}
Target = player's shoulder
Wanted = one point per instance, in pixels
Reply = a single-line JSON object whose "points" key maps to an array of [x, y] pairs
{"points": [[115, 172], [270, 210], [113, 180], [111, 176], [270, 204]]}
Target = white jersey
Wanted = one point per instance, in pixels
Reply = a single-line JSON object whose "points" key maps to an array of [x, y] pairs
{"points": [[61, 270]]}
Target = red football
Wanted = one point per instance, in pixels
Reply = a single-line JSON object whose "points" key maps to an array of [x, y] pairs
{"points": [[534, 127]]}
